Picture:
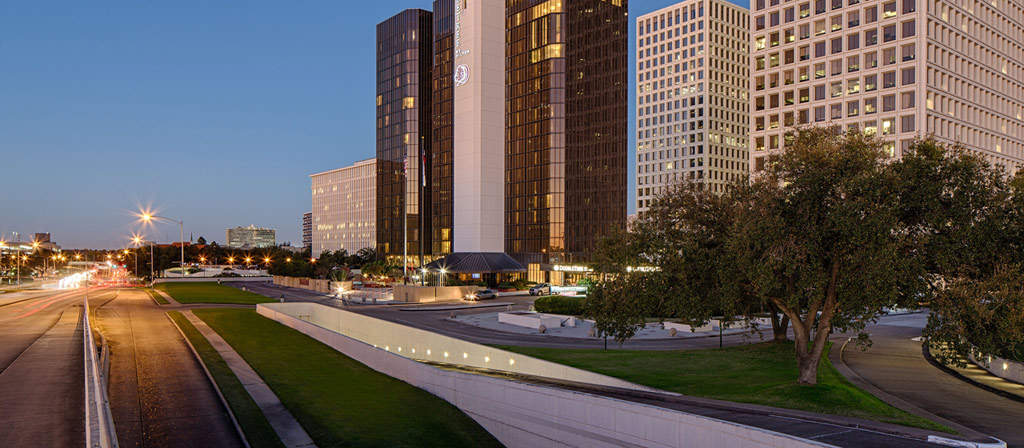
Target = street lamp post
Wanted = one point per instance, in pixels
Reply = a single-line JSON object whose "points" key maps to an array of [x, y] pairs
{"points": [[152, 264], [17, 241], [147, 217]]}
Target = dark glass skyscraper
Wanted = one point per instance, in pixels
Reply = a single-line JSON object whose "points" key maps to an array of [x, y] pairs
{"points": [[566, 110], [404, 76], [442, 145]]}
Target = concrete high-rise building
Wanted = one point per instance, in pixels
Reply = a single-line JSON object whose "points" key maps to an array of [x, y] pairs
{"points": [[345, 208], [897, 68], [307, 230], [692, 96], [251, 237], [404, 75]]}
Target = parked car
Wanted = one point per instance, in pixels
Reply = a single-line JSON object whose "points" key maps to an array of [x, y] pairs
{"points": [[541, 289], [484, 294]]}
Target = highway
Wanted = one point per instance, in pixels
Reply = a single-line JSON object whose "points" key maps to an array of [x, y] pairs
{"points": [[41, 372]]}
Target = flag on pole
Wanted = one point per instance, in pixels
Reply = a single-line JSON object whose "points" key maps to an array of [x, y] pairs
{"points": [[423, 165]]}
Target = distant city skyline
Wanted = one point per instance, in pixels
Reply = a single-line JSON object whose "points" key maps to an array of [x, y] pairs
{"points": [[207, 113]]}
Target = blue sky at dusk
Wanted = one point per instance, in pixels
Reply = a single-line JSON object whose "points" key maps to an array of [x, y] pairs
{"points": [[211, 112]]}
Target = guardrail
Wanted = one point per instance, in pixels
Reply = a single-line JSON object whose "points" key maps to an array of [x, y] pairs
{"points": [[99, 425]]}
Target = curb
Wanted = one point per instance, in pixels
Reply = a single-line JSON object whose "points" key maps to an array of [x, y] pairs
{"points": [[926, 351], [213, 382]]}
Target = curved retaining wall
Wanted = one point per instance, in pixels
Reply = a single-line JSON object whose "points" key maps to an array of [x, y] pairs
{"points": [[520, 414], [1003, 368]]}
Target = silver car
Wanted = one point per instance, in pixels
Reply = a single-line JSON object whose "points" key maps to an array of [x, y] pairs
{"points": [[484, 294]]}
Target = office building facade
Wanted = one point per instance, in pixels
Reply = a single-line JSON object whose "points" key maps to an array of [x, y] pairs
{"points": [[692, 96], [566, 154], [344, 215], [307, 230], [251, 237], [404, 75], [897, 68]]}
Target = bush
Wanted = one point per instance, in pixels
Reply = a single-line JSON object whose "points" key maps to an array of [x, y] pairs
{"points": [[520, 284], [504, 285], [568, 305]]}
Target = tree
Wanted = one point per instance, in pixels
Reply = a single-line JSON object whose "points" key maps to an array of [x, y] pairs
{"points": [[201, 241], [816, 236]]}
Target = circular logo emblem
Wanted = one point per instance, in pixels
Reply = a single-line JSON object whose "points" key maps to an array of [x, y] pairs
{"points": [[461, 75]]}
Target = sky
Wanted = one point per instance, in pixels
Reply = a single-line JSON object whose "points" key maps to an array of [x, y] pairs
{"points": [[213, 113]]}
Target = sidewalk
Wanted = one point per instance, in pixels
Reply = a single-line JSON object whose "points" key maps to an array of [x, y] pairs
{"points": [[283, 422]]}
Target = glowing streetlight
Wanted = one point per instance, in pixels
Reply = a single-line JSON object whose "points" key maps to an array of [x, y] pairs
{"points": [[148, 217], [289, 259]]}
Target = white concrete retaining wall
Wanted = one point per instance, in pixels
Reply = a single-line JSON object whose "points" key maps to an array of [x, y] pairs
{"points": [[1003, 368], [531, 320], [687, 327], [529, 415], [426, 345]]}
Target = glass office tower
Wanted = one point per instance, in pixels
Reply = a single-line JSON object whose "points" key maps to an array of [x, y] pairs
{"points": [[404, 75]]}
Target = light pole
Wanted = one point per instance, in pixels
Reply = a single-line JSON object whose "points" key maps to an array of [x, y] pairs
{"points": [[17, 241], [152, 265], [148, 218]]}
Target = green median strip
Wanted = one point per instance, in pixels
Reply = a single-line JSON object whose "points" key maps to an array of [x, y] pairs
{"points": [[337, 400], [156, 296], [254, 424], [211, 292], [763, 374]]}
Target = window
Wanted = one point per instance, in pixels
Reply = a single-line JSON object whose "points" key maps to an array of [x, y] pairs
{"points": [[889, 10], [888, 80], [788, 57], [819, 49], [805, 95], [805, 52], [805, 31], [773, 19], [759, 23], [870, 127], [888, 56], [837, 45], [909, 28], [837, 89], [870, 83], [805, 10], [774, 40], [819, 70], [907, 100], [907, 123], [789, 36], [852, 86], [871, 60], [909, 6], [853, 42], [889, 33], [870, 105], [773, 60], [788, 99], [909, 76], [819, 92], [837, 67], [819, 114], [888, 103], [819, 6], [853, 108], [837, 23], [759, 43], [759, 63], [836, 111], [836, 4], [888, 126], [804, 76], [871, 15], [870, 37], [790, 15], [760, 5], [759, 83], [853, 19], [819, 27]]}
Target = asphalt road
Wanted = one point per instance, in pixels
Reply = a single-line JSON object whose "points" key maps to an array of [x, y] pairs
{"points": [[41, 369], [894, 363], [159, 394], [437, 321]]}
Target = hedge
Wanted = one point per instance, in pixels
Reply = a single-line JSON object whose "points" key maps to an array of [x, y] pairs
{"points": [[568, 305]]}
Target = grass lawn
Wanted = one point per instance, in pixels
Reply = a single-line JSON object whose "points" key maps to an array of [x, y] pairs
{"points": [[257, 430], [339, 401], [156, 296], [210, 292], [762, 374]]}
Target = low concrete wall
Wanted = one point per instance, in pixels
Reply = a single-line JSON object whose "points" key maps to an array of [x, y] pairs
{"points": [[427, 294], [1004, 368], [211, 279], [529, 415], [687, 327], [313, 284]]}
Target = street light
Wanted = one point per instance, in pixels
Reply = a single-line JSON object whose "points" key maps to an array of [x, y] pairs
{"points": [[149, 218], [152, 265]]}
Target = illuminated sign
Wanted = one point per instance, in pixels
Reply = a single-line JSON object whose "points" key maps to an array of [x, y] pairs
{"points": [[461, 75], [460, 5], [570, 268]]}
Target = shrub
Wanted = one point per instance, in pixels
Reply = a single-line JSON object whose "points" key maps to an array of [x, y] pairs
{"points": [[568, 305], [520, 284], [504, 285]]}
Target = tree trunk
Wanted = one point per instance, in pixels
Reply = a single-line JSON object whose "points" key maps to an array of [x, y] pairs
{"points": [[780, 324], [808, 367]]}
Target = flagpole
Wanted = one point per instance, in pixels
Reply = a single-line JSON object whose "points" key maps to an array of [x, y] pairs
{"points": [[405, 220]]}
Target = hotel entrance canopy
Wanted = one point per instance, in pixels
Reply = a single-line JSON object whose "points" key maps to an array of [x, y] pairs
{"points": [[477, 263]]}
